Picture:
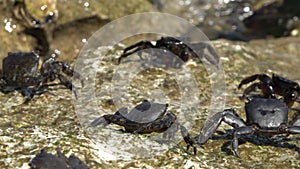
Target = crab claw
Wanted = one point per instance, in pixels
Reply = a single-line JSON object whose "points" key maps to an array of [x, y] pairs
{"points": [[99, 121], [188, 139]]}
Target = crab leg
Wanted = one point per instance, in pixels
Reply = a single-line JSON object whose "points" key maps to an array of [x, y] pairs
{"points": [[293, 130], [55, 68], [261, 77], [236, 135], [188, 139], [110, 118], [229, 116], [212, 57], [295, 117], [28, 93], [68, 84], [139, 46], [69, 71], [264, 84]]}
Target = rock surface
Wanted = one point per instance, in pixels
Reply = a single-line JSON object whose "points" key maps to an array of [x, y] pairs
{"points": [[49, 120]]}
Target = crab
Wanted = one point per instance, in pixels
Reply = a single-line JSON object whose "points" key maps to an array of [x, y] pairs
{"points": [[146, 118], [177, 47], [265, 116], [271, 86], [46, 160], [22, 72]]}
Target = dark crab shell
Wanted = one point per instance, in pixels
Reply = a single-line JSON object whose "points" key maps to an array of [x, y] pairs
{"points": [[146, 112], [146, 118], [27, 73], [45, 160], [18, 68], [266, 113]]}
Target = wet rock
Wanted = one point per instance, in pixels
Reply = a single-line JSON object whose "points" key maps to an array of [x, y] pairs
{"points": [[78, 19], [277, 19], [50, 119], [237, 20]]}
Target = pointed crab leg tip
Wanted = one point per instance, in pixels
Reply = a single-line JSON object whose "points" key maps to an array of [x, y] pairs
{"points": [[96, 122], [237, 154], [26, 101], [241, 97], [195, 151]]}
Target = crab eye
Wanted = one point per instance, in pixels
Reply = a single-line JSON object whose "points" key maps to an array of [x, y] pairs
{"points": [[263, 112], [293, 95]]}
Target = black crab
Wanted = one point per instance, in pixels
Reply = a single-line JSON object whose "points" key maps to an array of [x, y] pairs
{"points": [[177, 47], [146, 118], [272, 86], [267, 116], [22, 72], [45, 160]]}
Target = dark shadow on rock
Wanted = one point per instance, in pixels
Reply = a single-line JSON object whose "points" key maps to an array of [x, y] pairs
{"points": [[280, 141]]}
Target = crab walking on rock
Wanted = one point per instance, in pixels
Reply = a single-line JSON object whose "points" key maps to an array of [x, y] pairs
{"points": [[271, 86], [267, 116], [146, 118], [22, 72], [177, 47]]}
